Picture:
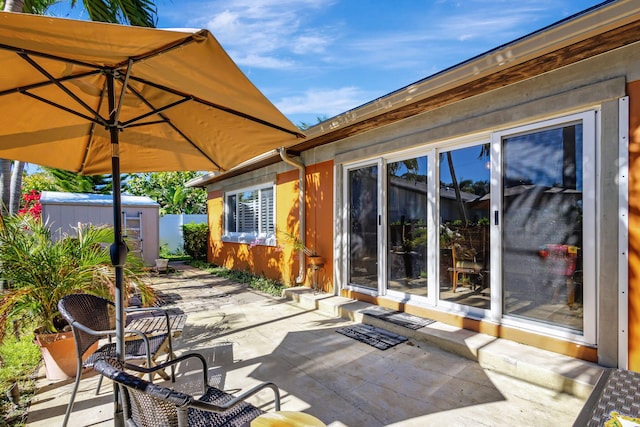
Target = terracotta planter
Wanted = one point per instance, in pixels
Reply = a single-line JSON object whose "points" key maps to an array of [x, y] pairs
{"points": [[59, 354], [315, 261]]}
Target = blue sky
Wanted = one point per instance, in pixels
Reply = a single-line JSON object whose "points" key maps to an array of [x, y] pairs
{"points": [[320, 58]]}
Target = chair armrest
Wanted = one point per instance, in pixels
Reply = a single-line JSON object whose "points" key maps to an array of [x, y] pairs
{"points": [[86, 329], [172, 362], [211, 407], [108, 332], [112, 332]]}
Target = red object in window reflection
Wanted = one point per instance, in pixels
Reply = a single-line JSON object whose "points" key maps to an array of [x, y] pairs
{"points": [[560, 259]]}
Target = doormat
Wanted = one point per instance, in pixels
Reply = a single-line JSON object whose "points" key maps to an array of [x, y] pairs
{"points": [[398, 317], [375, 337]]}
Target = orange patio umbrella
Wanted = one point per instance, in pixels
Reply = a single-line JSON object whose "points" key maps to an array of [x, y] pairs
{"points": [[98, 98]]}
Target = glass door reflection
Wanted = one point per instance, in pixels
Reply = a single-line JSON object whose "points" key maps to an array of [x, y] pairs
{"points": [[363, 226], [542, 226], [464, 267], [407, 226]]}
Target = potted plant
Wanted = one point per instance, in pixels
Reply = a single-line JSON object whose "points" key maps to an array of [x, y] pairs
{"points": [[38, 270], [313, 258]]}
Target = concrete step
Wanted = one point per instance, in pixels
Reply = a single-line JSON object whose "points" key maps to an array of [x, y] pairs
{"points": [[541, 367]]}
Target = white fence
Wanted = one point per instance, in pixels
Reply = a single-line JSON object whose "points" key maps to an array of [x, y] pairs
{"points": [[171, 229]]}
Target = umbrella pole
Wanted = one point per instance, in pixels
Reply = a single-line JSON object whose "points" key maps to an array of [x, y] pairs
{"points": [[118, 250]]}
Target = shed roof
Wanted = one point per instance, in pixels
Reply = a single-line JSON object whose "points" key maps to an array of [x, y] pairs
{"points": [[60, 198]]}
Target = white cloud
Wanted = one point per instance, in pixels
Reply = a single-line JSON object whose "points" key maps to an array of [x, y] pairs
{"points": [[266, 29], [259, 61], [323, 102]]}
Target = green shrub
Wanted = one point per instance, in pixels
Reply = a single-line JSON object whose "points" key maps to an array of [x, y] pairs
{"points": [[196, 237]]}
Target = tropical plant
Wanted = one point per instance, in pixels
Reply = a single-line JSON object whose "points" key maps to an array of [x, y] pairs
{"points": [[297, 244], [72, 182], [168, 189], [38, 270], [39, 181], [31, 204]]}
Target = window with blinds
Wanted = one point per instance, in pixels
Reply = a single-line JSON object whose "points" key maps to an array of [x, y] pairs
{"points": [[250, 215]]}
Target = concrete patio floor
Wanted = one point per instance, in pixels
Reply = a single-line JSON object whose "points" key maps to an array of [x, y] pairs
{"points": [[248, 337]]}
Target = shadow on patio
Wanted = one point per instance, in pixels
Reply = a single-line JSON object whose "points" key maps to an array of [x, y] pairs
{"points": [[248, 338]]}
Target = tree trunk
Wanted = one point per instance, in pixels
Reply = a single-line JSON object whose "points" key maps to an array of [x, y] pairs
{"points": [[13, 5], [16, 187], [5, 184], [5, 165], [456, 187]]}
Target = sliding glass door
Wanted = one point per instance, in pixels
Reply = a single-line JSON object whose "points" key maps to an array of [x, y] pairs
{"points": [[498, 227], [464, 202], [363, 219], [542, 228], [406, 219]]}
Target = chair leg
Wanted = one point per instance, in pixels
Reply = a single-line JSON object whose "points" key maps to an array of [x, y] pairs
{"points": [[99, 385], [73, 394]]}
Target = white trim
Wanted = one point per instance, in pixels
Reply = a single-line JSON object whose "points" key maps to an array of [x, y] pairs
{"points": [[591, 178], [623, 233], [339, 236], [495, 235], [433, 228], [383, 286]]}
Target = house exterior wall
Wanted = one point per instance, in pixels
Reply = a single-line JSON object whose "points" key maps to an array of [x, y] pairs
{"points": [[280, 262], [595, 85]]}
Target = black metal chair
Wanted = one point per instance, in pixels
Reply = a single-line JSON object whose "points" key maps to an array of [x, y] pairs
{"points": [[146, 404], [91, 320]]}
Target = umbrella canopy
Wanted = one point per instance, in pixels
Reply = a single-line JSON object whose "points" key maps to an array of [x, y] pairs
{"points": [[99, 98], [185, 104]]}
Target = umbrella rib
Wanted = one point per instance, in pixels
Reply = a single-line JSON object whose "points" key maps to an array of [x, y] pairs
{"points": [[92, 130], [128, 123], [48, 82], [62, 107], [219, 107], [20, 50], [197, 37], [175, 128], [62, 87], [155, 122]]}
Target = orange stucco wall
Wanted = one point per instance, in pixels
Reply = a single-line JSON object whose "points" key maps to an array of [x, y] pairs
{"points": [[281, 263], [633, 90]]}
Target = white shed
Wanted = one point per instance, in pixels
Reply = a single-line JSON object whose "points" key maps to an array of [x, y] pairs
{"points": [[140, 217]]}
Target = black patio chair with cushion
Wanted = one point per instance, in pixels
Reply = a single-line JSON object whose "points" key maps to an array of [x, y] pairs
{"points": [[91, 320], [146, 404]]}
